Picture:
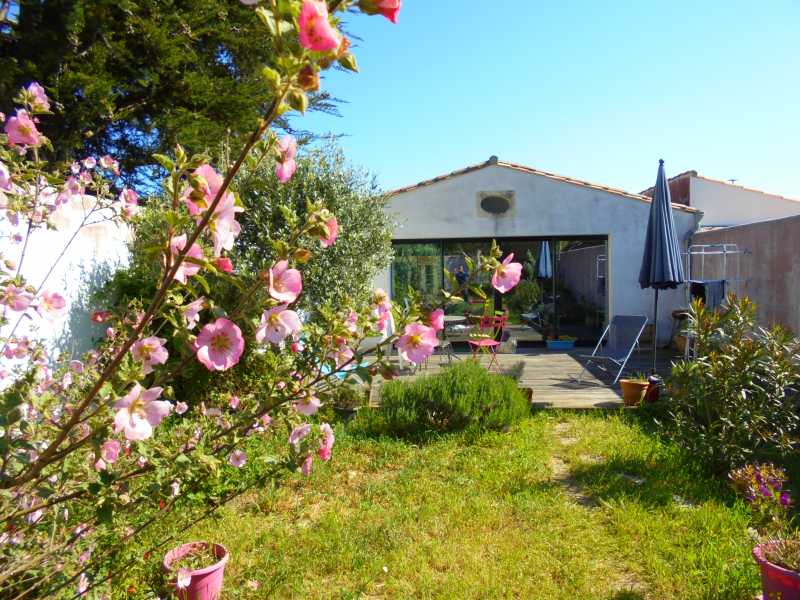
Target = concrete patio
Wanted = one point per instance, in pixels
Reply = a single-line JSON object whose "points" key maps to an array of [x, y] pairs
{"points": [[551, 376]]}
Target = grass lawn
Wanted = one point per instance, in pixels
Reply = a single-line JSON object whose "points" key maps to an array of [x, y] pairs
{"points": [[563, 506]]}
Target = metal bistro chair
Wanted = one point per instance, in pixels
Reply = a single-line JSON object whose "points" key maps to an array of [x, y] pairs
{"points": [[621, 336], [485, 340]]}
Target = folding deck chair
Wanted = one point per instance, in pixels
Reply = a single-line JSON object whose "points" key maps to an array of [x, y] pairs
{"points": [[621, 336]]}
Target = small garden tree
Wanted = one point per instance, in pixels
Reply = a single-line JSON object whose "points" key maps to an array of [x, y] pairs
{"points": [[98, 450]]}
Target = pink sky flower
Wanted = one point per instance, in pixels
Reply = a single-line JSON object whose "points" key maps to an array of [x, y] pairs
{"points": [[150, 351], [326, 444], [109, 451], [139, 411], [187, 268], [100, 316], [316, 31], [39, 102], [332, 225], [192, 312], [21, 130], [181, 407], [308, 406], [388, 8], [16, 298], [51, 305], [237, 458], [285, 284], [506, 275], [130, 202], [298, 434], [417, 342], [109, 163], [305, 468], [220, 345], [437, 319], [277, 324], [286, 165], [90, 162]]}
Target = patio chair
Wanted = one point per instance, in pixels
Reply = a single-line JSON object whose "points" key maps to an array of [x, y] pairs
{"points": [[485, 340], [621, 337]]}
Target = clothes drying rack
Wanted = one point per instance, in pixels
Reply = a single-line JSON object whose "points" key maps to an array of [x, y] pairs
{"points": [[730, 268]]}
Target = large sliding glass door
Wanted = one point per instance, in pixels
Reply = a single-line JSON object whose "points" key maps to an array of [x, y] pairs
{"points": [[562, 291]]}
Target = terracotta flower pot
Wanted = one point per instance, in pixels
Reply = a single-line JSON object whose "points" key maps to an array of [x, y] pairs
{"points": [[776, 582], [633, 391], [206, 583]]}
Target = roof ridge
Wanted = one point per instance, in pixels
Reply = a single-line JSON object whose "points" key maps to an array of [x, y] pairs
{"points": [[494, 161]]}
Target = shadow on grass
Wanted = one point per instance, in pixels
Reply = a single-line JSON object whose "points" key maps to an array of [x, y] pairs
{"points": [[627, 595]]}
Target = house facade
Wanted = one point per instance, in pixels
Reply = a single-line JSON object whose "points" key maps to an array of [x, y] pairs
{"points": [[581, 244]]}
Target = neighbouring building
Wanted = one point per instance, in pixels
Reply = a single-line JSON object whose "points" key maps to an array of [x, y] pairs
{"points": [[581, 242]]}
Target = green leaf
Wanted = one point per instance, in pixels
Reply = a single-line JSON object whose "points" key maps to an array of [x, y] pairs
{"points": [[298, 100], [272, 77], [203, 283], [165, 161]]}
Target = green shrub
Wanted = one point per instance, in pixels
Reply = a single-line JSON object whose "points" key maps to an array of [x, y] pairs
{"points": [[462, 397], [524, 297], [738, 399]]}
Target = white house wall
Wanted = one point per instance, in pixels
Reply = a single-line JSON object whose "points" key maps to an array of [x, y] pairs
{"points": [[723, 204], [543, 206]]}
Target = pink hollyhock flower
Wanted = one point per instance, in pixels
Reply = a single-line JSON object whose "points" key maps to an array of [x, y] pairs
{"points": [[266, 420], [437, 319], [417, 342], [351, 323], [285, 284], [277, 324], [100, 316], [51, 305], [234, 402], [286, 166], [326, 444], [83, 584], [150, 351], [506, 275], [309, 405], [332, 225], [76, 366], [139, 411], [388, 8], [181, 407], [175, 487], [237, 458], [183, 578], [141, 461], [187, 268], [305, 468], [316, 32], [342, 355], [109, 451], [109, 163], [297, 347], [75, 168], [39, 100], [297, 435], [17, 299], [130, 202], [90, 162], [219, 345], [21, 130], [5, 177], [74, 188], [192, 312], [100, 465], [381, 300], [224, 264]]}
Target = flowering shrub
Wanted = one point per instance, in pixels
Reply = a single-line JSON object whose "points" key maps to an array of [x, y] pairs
{"points": [[763, 488], [97, 450]]}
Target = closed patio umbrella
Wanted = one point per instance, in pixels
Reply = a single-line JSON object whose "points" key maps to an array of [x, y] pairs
{"points": [[545, 270], [662, 266]]}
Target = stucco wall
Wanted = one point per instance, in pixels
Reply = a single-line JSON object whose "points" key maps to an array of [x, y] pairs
{"points": [[724, 204], [770, 270], [543, 207]]}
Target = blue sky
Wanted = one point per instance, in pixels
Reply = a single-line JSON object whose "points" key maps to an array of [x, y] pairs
{"points": [[592, 90]]}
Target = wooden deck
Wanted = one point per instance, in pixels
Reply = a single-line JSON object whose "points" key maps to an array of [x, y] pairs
{"points": [[551, 376]]}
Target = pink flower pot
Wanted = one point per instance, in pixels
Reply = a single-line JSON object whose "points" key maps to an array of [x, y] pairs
{"points": [[776, 582], [206, 583]]}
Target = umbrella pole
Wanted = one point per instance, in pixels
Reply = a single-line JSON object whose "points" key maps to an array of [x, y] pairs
{"points": [[655, 332]]}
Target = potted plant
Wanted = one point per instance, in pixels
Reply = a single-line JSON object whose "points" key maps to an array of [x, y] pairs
{"points": [[198, 569], [634, 389], [564, 342], [778, 551], [349, 398]]}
